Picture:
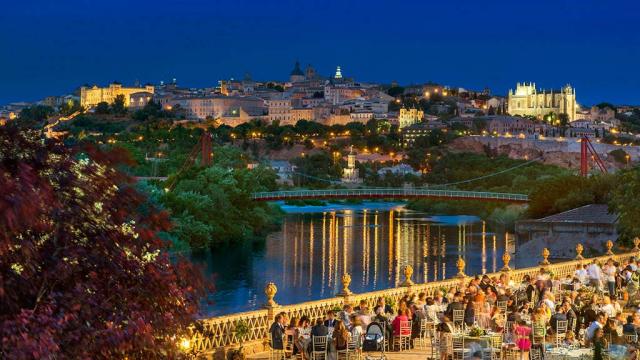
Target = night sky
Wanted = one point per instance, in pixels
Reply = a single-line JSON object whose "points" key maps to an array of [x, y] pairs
{"points": [[51, 47]]}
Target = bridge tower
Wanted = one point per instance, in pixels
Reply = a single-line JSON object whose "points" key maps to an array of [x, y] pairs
{"points": [[587, 147], [206, 149]]}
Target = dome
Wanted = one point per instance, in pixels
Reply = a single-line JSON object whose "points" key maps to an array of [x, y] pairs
{"points": [[296, 70]]}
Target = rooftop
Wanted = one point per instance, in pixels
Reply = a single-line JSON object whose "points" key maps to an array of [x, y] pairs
{"points": [[588, 214]]}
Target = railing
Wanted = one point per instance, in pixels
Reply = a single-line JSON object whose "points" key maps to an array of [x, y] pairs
{"points": [[389, 193], [218, 333]]}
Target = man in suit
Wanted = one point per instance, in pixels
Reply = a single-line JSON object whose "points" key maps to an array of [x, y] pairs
{"points": [[560, 315], [331, 321], [277, 332], [319, 329], [456, 304]]}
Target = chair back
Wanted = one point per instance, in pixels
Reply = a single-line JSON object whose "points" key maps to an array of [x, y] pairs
{"points": [[502, 305], [496, 341], [457, 340], [405, 328], [561, 326], [631, 339], [508, 327], [458, 317], [319, 343], [535, 354]]}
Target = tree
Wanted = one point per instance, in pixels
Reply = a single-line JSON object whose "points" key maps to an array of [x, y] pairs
{"points": [[625, 201], [33, 116], [212, 206], [102, 108], [83, 272], [395, 91], [118, 106]]}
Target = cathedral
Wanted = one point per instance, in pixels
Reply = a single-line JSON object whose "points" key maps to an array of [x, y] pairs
{"points": [[526, 100]]}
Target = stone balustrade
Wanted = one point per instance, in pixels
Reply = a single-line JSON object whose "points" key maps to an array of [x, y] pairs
{"points": [[217, 334]]}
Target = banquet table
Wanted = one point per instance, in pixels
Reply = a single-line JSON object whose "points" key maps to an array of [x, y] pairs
{"points": [[562, 353]]}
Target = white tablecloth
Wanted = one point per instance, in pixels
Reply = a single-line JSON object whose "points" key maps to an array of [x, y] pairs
{"points": [[568, 354]]}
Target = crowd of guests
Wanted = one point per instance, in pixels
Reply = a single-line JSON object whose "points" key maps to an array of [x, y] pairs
{"points": [[527, 314]]}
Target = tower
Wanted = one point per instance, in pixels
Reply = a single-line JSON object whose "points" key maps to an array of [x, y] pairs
{"points": [[350, 174], [310, 72], [338, 73], [296, 74]]}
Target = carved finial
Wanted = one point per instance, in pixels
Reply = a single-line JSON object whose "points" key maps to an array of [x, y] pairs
{"points": [[408, 272], [579, 250], [460, 264], [270, 290], [545, 257], [609, 247], [346, 281], [505, 259]]}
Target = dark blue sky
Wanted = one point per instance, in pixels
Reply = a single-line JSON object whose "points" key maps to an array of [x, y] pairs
{"points": [[51, 47]]}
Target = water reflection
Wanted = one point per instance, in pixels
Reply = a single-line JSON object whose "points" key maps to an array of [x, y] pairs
{"points": [[307, 258]]}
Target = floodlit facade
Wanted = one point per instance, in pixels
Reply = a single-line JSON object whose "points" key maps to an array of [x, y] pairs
{"points": [[526, 100], [92, 96], [409, 117]]}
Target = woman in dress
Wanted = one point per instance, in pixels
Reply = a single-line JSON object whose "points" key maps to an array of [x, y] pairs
{"points": [[356, 330], [340, 335], [290, 333], [522, 332], [303, 336]]}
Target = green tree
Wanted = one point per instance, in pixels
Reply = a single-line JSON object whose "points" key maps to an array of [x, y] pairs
{"points": [[395, 91], [118, 107], [102, 108], [625, 201]]}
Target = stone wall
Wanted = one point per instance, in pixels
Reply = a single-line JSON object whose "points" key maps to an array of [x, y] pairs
{"points": [[561, 239]]}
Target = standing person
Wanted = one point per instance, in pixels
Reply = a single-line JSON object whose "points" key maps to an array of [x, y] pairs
{"points": [[345, 315], [445, 331], [595, 276], [277, 333], [609, 270], [523, 342]]}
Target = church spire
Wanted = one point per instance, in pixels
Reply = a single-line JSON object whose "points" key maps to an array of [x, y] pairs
{"points": [[338, 73]]}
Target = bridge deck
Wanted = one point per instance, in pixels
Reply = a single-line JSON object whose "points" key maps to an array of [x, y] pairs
{"points": [[400, 193]]}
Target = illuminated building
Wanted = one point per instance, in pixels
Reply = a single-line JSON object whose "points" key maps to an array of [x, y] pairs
{"points": [[92, 96], [350, 174], [279, 110], [302, 114], [409, 117], [526, 100], [338, 73]]}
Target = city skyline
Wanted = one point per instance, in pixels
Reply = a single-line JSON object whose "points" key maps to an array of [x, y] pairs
{"points": [[594, 47]]}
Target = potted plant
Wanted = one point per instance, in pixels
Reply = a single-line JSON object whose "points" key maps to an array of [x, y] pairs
{"points": [[241, 330]]}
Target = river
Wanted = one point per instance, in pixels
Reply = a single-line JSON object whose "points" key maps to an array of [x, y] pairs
{"points": [[371, 241]]}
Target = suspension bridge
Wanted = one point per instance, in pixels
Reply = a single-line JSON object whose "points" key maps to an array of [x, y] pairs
{"points": [[390, 193], [203, 150]]}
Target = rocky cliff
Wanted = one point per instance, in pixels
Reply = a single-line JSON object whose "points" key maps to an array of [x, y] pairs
{"points": [[564, 153]]}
